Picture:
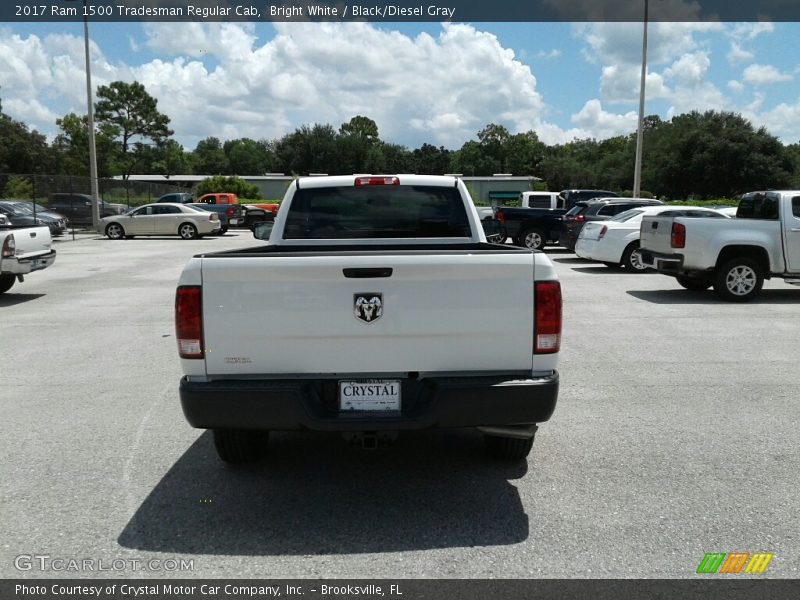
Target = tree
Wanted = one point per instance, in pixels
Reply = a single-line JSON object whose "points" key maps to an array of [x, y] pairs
{"points": [[362, 128], [310, 150], [430, 160], [134, 118], [19, 188], [233, 185], [209, 157], [22, 150], [248, 157], [71, 147]]}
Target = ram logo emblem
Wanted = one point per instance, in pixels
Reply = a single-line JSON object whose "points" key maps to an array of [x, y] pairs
{"points": [[368, 306]]}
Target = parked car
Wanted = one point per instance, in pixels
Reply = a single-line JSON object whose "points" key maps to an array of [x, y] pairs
{"points": [[78, 207], [229, 214], [614, 242], [22, 251], [595, 209], [176, 198], [161, 219], [37, 210], [19, 216], [733, 255]]}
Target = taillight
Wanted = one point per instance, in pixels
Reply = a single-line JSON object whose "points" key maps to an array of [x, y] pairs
{"points": [[9, 246], [500, 216], [213, 217], [678, 237], [189, 321], [377, 181], [547, 321], [580, 218], [603, 231], [229, 211]]}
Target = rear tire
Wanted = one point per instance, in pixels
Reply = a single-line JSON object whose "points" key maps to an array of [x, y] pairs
{"points": [[6, 282], [506, 448], [187, 231], [739, 280], [532, 239], [696, 284], [632, 260], [237, 446]]}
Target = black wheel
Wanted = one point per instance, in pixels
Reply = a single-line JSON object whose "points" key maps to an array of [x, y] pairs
{"points": [[115, 231], [507, 448], [632, 260], [238, 445], [223, 231], [6, 281], [187, 231], [531, 238], [738, 280], [696, 284]]}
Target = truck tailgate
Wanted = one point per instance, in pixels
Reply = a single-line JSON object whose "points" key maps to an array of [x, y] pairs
{"points": [[32, 241], [656, 234], [293, 314]]}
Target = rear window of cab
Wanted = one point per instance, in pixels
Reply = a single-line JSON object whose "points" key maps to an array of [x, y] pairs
{"points": [[386, 211]]}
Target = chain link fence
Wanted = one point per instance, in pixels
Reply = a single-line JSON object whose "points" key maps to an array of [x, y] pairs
{"points": [[69, 194]]}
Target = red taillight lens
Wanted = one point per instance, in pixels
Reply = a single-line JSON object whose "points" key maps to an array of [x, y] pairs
{"points": [[500, 216], [603, 231], [189, 321], [377, 181], [9, 246], [580, 218], [547, 322], [229, 211], [678, 238]]}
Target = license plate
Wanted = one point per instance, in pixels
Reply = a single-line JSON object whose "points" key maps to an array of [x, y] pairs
{"points": [[369, 395], [36, 263], [234, 221]]}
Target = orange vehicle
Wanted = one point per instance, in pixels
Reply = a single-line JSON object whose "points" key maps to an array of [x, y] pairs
{"points": [[217, 198], [269, 207]]}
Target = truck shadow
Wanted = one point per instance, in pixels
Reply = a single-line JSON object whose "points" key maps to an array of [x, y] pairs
{"points": [[681, 296], [10, 298], [313, 494]]}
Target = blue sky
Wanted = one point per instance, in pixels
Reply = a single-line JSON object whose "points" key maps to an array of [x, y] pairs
{"points": [[421, 82]]}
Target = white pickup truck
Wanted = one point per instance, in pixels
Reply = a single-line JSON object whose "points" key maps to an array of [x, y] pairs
{"points": [[733, 255], [370, 309], [21, 251]]}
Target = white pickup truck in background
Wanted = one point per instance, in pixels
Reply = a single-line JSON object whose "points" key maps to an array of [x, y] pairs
{"points": [[370, 309], [22, 251], [733, 255]]}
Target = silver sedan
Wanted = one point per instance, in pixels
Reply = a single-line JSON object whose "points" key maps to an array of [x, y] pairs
{"points": [[161, 219]]}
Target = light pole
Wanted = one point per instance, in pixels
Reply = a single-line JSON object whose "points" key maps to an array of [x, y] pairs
{"points": [[637, 169], [95, 192]]}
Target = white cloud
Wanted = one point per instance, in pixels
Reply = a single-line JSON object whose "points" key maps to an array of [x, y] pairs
{"points": [[736, 55], [620, 84], [764, 75], [603, 124], [689, 69], [735, 86], [750, 31], [555, 53]]}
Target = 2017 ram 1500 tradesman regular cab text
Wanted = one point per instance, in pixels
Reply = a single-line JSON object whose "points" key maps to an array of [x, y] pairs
{"points": [[366, 312], [733, 255]]}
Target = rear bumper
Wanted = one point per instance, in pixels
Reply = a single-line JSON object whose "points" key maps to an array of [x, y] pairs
{"points": [[670, 264], [295, 404], [23, 266]]}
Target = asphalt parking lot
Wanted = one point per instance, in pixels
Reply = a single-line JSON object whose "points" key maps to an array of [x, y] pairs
{"points": [[675, 435]]}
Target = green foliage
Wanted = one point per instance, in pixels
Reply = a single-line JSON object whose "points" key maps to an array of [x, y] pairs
{"points": [[18, 187], [222, 184], [22, 150], [131, 116]]}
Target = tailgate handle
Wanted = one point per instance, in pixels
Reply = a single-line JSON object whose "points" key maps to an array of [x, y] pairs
{"points": [[368, 273]]}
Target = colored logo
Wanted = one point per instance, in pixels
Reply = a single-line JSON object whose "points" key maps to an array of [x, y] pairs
{"points": [[734, 563]]}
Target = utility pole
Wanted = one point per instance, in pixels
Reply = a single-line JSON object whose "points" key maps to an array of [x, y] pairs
{"points": [[90, 108], [637, 169]]}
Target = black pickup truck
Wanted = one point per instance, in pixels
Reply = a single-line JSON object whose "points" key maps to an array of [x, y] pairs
{"points": [[535, 228]]}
